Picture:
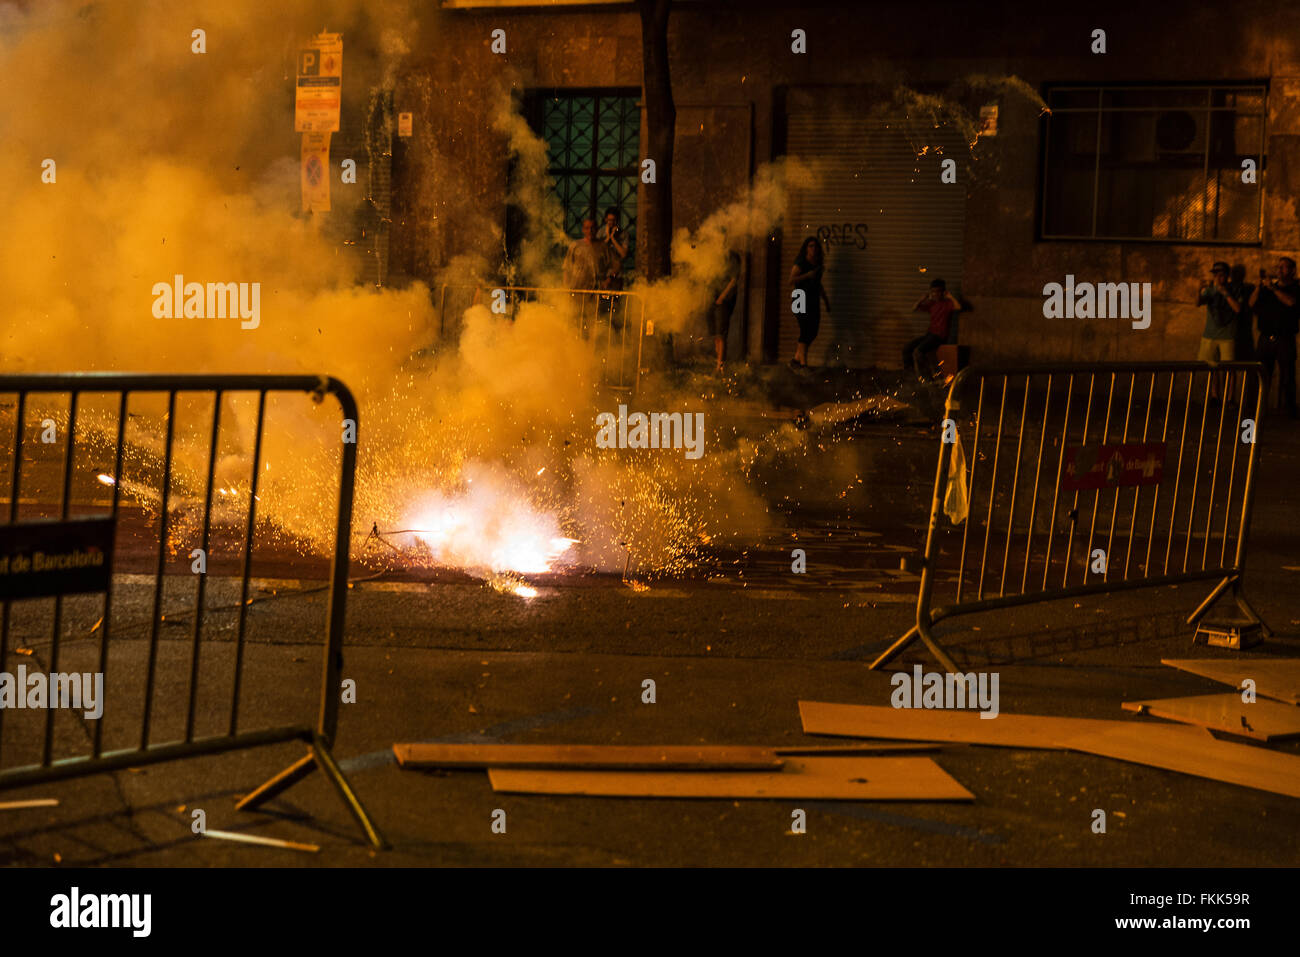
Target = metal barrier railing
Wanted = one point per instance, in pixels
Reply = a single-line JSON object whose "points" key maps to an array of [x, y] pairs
{"points": [[613, 320], [63, 431], [1124, 459]]}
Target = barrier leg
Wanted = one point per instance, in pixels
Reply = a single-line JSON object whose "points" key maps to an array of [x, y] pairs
{"points": [[332, 771], [1211, 598], [281, 782], [948, 665], [889, 653], [318, 757], [923, 631], [1239, 595]]}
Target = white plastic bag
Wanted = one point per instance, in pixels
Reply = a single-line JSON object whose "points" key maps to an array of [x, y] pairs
{"points": [[956, 504]]}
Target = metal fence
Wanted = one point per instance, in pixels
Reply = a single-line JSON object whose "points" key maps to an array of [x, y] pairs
{"points": [[1060, 481], [142, 454], [613, 321]]}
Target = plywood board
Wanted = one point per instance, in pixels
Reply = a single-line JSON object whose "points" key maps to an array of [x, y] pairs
{"points": [[1261, 719], [1274, 677], [1007, 730], [1171, 747], [824, 778], [1192, 751], [592, 756]]}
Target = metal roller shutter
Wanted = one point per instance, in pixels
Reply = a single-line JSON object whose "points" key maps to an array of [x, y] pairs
{"points": [[887, 222]]}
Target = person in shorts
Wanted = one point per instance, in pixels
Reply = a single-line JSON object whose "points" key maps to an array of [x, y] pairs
{"points": [[1224, 303]]}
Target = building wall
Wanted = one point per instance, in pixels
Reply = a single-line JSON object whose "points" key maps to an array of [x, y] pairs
{"points": [[731, 64]]}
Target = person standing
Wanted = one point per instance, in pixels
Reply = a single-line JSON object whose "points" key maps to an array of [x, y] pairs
{"points": [[616, 246], [1277, 303], [587, 263], [806, 274], [1244, 348], [919, 354], [585, 268], [1224, 302], [724, 292]]}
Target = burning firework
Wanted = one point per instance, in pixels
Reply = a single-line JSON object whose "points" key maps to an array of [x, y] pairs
{"points": [[489, 525]]}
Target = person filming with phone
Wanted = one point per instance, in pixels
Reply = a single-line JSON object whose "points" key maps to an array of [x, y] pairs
{"points": [[1276, 300]]}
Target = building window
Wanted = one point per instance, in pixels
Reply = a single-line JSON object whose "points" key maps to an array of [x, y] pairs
{"points": [[593, 141], [1162, 164]]}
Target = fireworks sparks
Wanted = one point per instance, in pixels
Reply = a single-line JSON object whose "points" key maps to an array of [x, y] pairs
{"points": [[511, 587], [490, 525]]}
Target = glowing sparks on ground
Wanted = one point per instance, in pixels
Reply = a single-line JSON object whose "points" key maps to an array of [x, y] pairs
{"points": [[510, 585], [489, 526]]}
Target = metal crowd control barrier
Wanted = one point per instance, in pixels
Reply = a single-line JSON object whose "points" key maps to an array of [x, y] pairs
{"points": [[1149, 467], [615, 316], [43, 481]]}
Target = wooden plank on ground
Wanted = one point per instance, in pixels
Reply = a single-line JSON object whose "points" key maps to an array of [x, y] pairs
{"points": [[1192, 751], [825, 778], [1274, 677], [1261, 719], [1171, 747], [1006, 730], [589, 756], [827, 750]]}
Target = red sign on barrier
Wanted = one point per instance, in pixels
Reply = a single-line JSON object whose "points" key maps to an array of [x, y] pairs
{"points": [[1113, 466]]}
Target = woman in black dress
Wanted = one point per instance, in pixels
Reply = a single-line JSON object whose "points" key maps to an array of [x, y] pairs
{"points": [[806, 274]]}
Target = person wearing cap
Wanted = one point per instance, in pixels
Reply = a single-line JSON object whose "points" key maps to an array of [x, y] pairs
{"points": [[1224, 301]]}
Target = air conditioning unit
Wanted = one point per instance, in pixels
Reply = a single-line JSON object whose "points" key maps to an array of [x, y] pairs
{"points": [[1178, 133]]}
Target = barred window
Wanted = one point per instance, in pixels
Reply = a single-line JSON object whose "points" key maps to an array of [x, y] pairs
{"points": [[593, 144], [1161, 164]]}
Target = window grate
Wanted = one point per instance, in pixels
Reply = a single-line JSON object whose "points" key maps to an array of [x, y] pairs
{"points": [[593, 143], [1150, 163]]}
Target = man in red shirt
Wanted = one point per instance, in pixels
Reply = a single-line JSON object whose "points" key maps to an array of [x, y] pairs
{"points": [[920, 352]]}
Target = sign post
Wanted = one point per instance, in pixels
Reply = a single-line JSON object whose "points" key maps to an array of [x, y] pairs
{"points": [[320, 85], [316, 115]]}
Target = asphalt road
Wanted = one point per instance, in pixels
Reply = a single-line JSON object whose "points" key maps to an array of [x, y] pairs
{"points": [[731, 652]]}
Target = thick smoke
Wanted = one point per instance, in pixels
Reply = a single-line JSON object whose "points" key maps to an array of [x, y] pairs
{"points": [[171, 162]]}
